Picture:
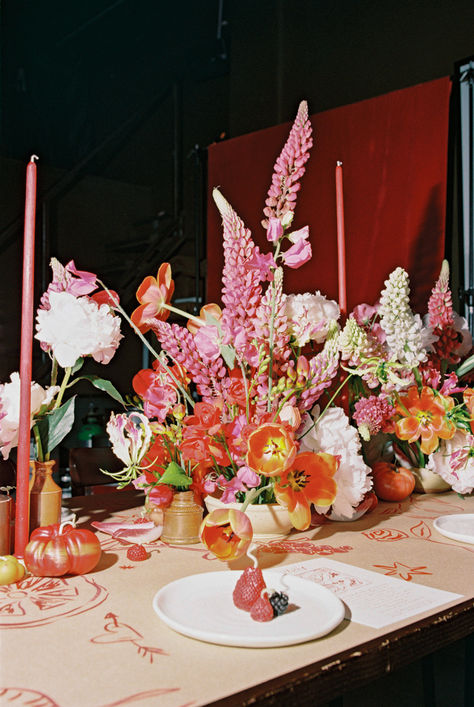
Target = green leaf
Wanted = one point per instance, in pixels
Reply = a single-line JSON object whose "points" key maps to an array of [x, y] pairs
{"points": [[228, 354], [105, 386], [465, 367], [175, 476], [55, 425], [77, 366]]}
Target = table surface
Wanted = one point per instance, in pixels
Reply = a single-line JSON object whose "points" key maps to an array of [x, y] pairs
{"points": [[95, 640]]}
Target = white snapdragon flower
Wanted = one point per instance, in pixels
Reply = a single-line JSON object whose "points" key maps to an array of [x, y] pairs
{"points": [[74, 327], [309, 316], [10, 409], [334, 434]]}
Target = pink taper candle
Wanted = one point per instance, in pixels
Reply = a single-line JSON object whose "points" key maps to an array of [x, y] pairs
{"points": [[341, 242], [23, 457]]}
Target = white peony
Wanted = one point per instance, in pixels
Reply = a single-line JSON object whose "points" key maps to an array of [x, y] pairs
{"points": [[454, 462], [335, 435], [10, 409], [309, 316], [74, 327]]}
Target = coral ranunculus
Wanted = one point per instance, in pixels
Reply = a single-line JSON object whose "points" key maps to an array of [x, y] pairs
{"points": [[153, 294], [424, 415], [227, 533], [271, 449], [309, 480]]}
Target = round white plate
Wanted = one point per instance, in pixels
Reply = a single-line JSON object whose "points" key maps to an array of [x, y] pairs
{"points": [[201, 606], [459, 526]]}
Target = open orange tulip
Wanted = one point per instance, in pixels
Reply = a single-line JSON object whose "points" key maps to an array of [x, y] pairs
{"points": [[152, 294], [227, 533], [270, 449], [308, 480], [424, 415]]}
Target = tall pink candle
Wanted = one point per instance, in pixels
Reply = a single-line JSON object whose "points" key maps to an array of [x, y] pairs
{"points": [[341, 242], [23, 457]]}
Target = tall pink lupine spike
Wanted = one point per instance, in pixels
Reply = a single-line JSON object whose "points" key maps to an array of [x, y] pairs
{"points": [[241, 289], [180, 344], [440, 304], [289, 167], [281, 336]]}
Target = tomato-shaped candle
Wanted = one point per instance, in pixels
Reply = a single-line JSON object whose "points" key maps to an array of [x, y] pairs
{"points": [[59, 549], [392, 483]]}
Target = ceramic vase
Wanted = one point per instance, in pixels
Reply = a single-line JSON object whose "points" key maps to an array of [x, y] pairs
{"points": [[45, 495], [182, 520], [269, 520], [427, 481]]}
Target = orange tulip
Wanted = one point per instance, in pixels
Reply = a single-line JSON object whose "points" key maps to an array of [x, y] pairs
{"points": [[212, 309], [424, 415], [152, 294], [227, 533], [270, 449], [308, 480]]}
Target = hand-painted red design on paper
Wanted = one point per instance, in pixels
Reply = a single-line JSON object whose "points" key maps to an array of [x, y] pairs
{"points": [[423, 531], [119, 632], [386, 535], [432, 507], [23, 697], [36, 601], [398, 569]]}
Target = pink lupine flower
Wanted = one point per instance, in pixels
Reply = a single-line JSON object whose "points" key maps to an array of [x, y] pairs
{"points": [[289, 168], [298, 254], [274, 229]]}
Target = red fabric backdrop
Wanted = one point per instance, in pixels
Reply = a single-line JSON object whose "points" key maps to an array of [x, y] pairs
{"points": [[394, 154]]}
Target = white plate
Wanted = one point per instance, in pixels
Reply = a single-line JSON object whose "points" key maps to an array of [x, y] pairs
{"points": [[201, 606], [459, 526]]}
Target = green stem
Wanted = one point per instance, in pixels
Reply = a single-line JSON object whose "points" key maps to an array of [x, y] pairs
{"points": [[181, 313], [147, 344], [247, 395], [54, 372], [252, 495], [331, 400], [39, 446], [67, 375]]}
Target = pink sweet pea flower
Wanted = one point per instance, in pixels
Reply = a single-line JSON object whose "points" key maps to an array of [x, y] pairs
{"points": [[261, 263], [298, 254], [274, 229], [68, 279], [248, 477], [302, 234]]}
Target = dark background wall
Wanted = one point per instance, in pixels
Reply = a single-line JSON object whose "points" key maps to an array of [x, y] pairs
{"points": [[120, 98]]}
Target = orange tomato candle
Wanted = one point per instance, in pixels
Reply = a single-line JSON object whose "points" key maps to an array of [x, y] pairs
{"points": [[23, 458], [341, 243]]}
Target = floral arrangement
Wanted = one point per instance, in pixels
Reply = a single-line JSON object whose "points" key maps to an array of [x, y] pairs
{"points": [[225, 409], [406, 380], [243, 403], [240, 403], [71, 325]]}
